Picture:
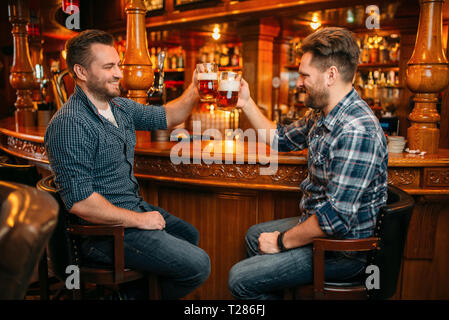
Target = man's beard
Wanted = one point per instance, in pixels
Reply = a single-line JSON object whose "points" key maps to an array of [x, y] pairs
{"points": [[100, 91], [317, 98]]}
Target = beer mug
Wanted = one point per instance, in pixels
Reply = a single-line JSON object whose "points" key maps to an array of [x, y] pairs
{"points": [[207, 81], [228, 90]]}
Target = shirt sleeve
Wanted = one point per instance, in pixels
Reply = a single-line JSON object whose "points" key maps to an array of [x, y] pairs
{"points": [[353, 163], [147, 117], [292, 137], [70, 145]]}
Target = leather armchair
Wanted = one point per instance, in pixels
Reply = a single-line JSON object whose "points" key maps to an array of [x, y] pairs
{"points": [[27, 219]]}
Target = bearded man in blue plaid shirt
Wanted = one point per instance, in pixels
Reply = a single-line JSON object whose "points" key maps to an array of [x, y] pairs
{"points": [[347, 174], [90, 145]]}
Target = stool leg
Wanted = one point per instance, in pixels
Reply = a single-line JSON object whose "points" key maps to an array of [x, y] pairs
{"points": [[43, 277], [154, 290]]}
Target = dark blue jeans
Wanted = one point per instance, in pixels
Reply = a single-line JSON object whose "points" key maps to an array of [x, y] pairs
{"points": [[173, 254], [264, 276]]}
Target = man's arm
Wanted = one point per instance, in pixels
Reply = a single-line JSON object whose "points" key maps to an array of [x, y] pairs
{"points": [[298, 236], [97, 209], [283, 139], [179, 109], [255, 116]]}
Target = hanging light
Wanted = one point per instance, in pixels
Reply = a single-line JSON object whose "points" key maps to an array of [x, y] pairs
{"points": [[315, 24], [216, 35]]}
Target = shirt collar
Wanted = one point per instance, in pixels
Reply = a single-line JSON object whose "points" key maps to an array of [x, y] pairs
{"points": [[331, 119]]}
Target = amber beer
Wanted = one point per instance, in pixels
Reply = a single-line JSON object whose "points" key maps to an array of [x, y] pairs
{"points": [[207, 81], [228, 90], [228, 94], [207, 86]]}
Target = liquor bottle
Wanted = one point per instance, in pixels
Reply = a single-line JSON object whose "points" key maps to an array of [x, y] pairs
{"points": [[173, 60], [180, 58], [365, 52], [153, 58], [224, 58]]}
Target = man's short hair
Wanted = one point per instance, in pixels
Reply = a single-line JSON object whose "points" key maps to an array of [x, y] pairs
{"points": [[333, 47], [78, 47]]}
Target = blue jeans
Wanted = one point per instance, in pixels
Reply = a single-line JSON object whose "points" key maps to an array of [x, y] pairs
{"points": [[173, 254], [264, 276]]}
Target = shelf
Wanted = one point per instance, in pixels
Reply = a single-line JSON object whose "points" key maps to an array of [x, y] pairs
{"points": [[229, 68], [292, 67], [389, 65], [170, 70]]}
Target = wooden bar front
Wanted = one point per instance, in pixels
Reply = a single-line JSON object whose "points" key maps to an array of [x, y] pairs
{"points": [[223, 200]]}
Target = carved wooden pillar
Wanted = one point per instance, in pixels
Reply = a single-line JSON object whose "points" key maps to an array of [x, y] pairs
{"points": [[257, 46], [136, 65], [427, 76], [21, 78]]}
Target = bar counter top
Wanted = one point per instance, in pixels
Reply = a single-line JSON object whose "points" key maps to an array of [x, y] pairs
{"points": [[261, 153]]}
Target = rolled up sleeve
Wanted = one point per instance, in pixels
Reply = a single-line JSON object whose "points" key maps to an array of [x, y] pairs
{"points": [[353, 163], [70, 145], [145, 117], [292, 137]]}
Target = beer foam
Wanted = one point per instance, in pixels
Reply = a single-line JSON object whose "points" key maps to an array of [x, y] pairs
{"points": [[229, 85], [207, 76]]}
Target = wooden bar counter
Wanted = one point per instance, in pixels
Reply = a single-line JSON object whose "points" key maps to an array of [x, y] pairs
{"points": [[223, 200]]}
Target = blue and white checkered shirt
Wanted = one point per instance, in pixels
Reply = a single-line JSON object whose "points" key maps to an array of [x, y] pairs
{"points": [[347, 166], [87, 153]]}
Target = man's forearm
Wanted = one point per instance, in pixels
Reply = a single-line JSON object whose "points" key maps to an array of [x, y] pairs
{"points": [[179, 109], [259, 121], [303, 234], [97, 209]]}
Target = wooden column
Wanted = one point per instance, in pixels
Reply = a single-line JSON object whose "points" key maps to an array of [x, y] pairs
{"points": [[427, 76], [21, 78], [136, 65], [257, 46]]}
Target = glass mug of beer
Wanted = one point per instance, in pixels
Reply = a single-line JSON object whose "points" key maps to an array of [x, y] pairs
{"points": [[207, 81], [228, 90]]}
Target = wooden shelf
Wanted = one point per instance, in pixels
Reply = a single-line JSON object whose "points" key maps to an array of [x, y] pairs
{"points": [[389, 65], [229, 68]]}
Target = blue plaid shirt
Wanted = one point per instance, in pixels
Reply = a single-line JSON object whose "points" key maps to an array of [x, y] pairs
{"points": [[347, 166], [87, 153]]}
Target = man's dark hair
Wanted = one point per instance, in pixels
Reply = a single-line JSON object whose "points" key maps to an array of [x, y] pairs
{"points": [[78, 47], [333, 47]]}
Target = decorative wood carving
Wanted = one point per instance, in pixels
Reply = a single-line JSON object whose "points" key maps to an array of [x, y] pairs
{"points": [[290, 175], [404, 177], [136, 65], [427, 75], [28, 148], [21, 78], [436, 177]]}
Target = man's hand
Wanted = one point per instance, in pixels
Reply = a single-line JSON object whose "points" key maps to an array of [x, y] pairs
{"points": [[268, 242], [151, 220], [195, 80], [244, 94]]}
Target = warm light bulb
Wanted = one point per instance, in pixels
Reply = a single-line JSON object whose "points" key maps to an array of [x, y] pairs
{"points": [[216, 36], [315, 24]]}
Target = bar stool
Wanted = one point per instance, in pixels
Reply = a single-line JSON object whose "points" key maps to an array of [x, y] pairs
{"points": [[64, 251]]}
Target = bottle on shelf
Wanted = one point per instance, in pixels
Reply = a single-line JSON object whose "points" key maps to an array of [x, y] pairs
{"points": [[180, 58], [224, 57], [153, 58]]}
